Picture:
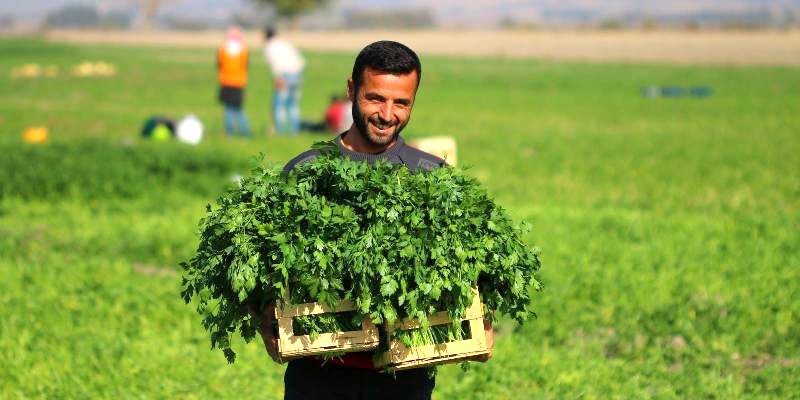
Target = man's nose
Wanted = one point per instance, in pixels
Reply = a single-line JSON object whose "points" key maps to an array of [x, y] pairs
{"points": [[386, 111]]}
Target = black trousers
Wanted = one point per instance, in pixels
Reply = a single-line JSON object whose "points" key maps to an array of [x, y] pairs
{"points": [[231, 96], [306, 379]]}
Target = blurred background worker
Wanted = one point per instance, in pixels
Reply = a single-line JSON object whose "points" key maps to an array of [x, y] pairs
{"points": [[287, 65], [339, 114], [232, 62], [337, 119]]}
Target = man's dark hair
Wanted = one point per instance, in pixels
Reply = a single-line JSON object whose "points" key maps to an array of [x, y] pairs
{"points": [[388, 57], [269, 32]]}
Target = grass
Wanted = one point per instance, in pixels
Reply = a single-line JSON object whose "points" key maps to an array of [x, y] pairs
{"points": [[669, 227]]}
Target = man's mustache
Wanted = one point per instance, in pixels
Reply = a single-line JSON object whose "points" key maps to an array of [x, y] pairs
{"points": [[381, 123]]}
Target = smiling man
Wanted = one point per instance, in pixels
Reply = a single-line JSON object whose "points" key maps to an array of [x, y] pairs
{"points": [[382, 87]]}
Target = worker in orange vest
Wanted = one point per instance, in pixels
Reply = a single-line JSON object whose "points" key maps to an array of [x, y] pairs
{"points": [[232, 63]]}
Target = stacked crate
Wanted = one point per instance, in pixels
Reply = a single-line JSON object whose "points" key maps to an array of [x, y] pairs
{"points": [[294, 346], [400, 357]]}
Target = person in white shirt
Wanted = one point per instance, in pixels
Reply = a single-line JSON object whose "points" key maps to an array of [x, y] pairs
{"points": [[287, 66]]}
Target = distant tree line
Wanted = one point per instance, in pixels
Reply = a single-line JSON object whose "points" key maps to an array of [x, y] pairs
{"points": [[390, 19], [84, 16], [6, 21]]}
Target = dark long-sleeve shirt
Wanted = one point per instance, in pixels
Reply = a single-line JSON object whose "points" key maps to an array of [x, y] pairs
{"points": [[400, 153]]}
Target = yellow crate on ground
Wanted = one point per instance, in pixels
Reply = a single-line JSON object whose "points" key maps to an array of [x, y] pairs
{"points": [[295, 346], [400, 357]]}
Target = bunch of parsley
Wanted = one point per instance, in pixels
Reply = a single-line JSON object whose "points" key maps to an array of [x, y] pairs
{"points": [[400, 244]]}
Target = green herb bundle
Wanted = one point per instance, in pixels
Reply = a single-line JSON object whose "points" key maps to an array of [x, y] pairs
{"points": [[400, 244]]}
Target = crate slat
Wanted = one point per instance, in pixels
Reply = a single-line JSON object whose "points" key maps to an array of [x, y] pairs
{"points": [[439, 318], [302, 345], [296, 310]]}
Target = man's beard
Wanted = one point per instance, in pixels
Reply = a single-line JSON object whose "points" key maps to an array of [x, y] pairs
{"points": [[361, 125]]}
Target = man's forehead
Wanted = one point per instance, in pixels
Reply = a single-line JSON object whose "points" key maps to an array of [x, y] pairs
{"points": [[388, 83], [370, 73]]}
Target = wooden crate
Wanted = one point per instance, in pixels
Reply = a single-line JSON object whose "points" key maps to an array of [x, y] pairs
{"points": [[294, 346], [400, 357]]}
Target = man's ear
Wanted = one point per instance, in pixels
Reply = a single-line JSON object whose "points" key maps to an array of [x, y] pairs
{"points": [[350, 93]]}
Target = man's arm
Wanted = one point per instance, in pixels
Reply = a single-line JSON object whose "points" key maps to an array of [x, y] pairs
{"points": [[271, 58], [268, 335], [279, 84]]}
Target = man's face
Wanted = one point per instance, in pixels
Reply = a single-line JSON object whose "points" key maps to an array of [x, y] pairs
{"points": [[382, 105]]}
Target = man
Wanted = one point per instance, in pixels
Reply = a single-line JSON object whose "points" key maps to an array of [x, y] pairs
{"points": [[232, 61], [382, 88], [287, 66]]}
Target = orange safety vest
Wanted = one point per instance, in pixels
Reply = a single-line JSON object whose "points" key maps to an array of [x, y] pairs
{"points": [[232, 66]]}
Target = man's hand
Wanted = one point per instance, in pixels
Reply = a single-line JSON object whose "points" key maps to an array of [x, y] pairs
{"points": [[267, 318], [280, 84], [489, 331]]}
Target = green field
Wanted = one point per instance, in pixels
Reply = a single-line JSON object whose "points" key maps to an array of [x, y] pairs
{"points": [[670, 228]]}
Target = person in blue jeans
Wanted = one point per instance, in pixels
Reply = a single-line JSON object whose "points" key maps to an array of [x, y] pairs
{"points": [[286, 103], [235, 118], [286, 64]]}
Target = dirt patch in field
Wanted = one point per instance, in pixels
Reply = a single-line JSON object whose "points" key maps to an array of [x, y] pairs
{"points": [[762, 360], [721, 48], [153, 270]]}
